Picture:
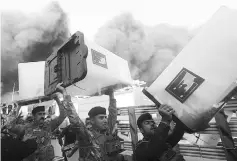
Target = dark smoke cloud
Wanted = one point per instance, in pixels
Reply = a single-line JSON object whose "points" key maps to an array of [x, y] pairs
{"points": [[29, 38], [149, 50]]}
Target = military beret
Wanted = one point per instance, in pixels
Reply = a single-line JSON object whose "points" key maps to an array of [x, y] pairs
{"points": [[96, 111], [143, 117], [38, 109]]}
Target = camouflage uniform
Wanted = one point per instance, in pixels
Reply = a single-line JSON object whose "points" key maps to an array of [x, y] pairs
{"points": [[45, 151], [90, 141]]}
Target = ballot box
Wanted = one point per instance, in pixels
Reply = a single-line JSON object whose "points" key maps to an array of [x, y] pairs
{"points": [[85, 68], [202, 74]]}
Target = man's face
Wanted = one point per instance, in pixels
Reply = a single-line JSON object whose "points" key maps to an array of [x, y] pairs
{"points": [[40, 117], [148, 127], [100, 122]]}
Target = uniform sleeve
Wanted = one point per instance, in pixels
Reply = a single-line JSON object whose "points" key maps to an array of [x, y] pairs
{"points": [[176, 136], [73, 117], [54, 123], [112, 118]]}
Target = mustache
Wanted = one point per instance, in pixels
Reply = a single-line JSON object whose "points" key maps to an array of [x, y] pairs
{"points": [[42, 118]]}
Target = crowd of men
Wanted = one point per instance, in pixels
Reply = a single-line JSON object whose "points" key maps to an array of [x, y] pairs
{"points": [[94, 140]]}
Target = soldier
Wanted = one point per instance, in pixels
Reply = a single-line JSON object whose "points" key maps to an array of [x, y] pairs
{"points": [[92, 142], [157, 144], [40, 130]]}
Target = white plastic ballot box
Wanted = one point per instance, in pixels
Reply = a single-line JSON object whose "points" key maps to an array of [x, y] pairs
{"points": [[203, 73], [85, 68], [31, 79]]}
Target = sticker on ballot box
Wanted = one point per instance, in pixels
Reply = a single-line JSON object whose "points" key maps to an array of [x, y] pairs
{"points": [[184, 84]]}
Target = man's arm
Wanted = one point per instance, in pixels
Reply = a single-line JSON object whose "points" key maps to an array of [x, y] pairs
{"points": [[73, 117], [176, 135], [54, 123], [112, 118]]}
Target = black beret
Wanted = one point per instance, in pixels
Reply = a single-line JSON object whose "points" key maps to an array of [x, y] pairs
{"points": [[143, 117], [96, 111], [38, 109]]}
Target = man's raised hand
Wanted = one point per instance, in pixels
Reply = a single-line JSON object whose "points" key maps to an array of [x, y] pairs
{"points": [[166, 112], [60, 88]]}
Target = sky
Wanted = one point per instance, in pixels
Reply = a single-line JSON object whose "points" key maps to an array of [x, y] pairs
{"points": [[89, 15]]}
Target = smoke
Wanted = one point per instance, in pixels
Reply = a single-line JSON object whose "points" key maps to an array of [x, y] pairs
{"points": [[148, 50], [29, 38]]}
